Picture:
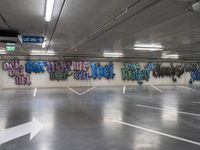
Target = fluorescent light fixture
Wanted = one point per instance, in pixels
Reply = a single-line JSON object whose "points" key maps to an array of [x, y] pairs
{"points": [[172, 56], [43, 44], [148, 46], [148, 49], [50, 52], [2, 52], [37, 52], [45, 54], [113, 54], [49, 10]]}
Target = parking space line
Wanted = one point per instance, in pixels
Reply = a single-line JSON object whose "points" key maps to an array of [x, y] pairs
{"points": [[169, 109], [124, 89], [34, 93], [156, 88], [184, 87], [73, 91], [88, 90], [82, 92], [156, 132]]}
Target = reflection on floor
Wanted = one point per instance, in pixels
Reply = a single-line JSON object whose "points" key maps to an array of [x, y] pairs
{"points": [[86, 122]]}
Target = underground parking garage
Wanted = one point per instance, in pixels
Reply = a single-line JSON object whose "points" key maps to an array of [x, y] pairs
{"points": [[99, 74]]}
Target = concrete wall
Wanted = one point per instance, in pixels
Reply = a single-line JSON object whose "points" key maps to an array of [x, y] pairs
{"points": [[42, 79]]}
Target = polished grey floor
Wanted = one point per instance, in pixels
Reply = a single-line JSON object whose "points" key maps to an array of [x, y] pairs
{"points": [[85, 122]]}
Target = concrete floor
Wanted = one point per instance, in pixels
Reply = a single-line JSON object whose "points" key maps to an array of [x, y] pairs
{"points": [[94, 120]]}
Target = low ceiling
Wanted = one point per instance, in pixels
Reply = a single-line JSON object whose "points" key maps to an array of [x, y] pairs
{"points": [[88, 28]]}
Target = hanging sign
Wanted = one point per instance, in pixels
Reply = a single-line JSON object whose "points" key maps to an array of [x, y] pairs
{"points": [[10, 47], [32, 39]]}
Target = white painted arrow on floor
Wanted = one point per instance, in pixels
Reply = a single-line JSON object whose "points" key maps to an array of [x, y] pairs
{"points": [[31, 128]]}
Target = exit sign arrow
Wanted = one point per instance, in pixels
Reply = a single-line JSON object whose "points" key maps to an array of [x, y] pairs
{"points": [[31, 128]]}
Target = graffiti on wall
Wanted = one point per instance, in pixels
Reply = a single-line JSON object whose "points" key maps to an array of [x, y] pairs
{"points": [[81, 75], [195, 76], [35, 66], [99, 71], [81, 70], [59, 76], [194, 70], [62, 70], [134, 72], [16, 71], [59, 70], [168, 71], [80, 65], [58, 66]]}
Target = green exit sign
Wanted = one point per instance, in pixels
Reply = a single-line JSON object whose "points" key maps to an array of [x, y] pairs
{"points": [[10, 47]]}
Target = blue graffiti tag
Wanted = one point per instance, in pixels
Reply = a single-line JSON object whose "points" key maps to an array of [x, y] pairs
{"points": [[81, 75], [35, 66], [150, 66], [195, 76], [98, 71]]}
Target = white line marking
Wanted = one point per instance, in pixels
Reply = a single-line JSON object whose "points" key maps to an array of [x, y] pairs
{"points": [[34, 93], [169, 109], [156, 88], [73, 90], [196, 102], [82, 92], [156, 132], [184, 87], [88, 90], [124, 89]]}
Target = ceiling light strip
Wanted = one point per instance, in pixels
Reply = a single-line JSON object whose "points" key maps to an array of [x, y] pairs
{"points": [[148, 49], [172, 56], [148, 45], [113, 54], [49, 10]]}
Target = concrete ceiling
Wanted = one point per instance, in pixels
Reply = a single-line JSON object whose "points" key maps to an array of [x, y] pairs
{"points": [[88, 28]]}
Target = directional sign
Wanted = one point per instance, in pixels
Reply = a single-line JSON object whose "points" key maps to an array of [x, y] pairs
{"points": [[31, 128], [32, 39]]}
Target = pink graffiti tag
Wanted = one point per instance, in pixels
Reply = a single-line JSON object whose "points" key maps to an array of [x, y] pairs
{"points": [[16, 71]]}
